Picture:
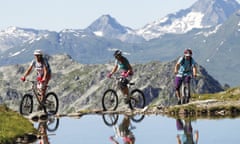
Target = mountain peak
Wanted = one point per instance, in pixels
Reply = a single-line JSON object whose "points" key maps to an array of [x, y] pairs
{"points": [[107, 26], [202, 14], [215, 11]]}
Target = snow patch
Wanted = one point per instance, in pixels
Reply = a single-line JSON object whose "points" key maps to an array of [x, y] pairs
{"points": [[16, 53], [98, 33], [206, 34]]}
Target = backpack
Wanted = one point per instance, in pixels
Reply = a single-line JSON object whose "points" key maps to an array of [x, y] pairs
{"points": [[45, 60]]}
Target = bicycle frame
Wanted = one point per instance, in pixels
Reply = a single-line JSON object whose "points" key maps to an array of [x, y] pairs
{"points": [[118, 80], [35, 90]]}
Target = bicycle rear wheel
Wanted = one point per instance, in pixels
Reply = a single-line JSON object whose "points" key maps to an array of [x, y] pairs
{"points": [[137, 99], [26, 105], [51, 103], [110, 100]]}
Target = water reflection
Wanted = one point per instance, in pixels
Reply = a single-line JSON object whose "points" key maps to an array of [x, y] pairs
{"points": [[124, 130], [47, 125], [185, 132], [107, 129]]}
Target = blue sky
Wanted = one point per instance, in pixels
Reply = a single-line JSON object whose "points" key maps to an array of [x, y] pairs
{"points": [[57, 15]]}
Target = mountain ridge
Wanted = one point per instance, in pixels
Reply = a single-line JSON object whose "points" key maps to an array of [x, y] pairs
{"points": [[208, 45], [82, 85]]}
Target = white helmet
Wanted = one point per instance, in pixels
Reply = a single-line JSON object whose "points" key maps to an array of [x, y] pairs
{"points": [[38, 52]]}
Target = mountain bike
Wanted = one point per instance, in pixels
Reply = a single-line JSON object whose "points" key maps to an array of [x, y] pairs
{"points": [[110, 99], [49, 103]]}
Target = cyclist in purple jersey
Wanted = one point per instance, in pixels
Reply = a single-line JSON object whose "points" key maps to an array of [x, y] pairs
{"points": [[184, 69]]}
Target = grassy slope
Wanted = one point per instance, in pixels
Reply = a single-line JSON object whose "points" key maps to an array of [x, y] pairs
{"points": [[232, 94], [12, 125]]}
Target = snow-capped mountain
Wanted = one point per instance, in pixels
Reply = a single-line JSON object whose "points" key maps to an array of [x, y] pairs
{"points": [[14, 36], [107, 26], [209, 27], [202, 14]]}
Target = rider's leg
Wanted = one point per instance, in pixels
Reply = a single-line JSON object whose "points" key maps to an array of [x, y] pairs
{"points": [[40, 97], [44, 86], [178, 82], [187, 86], [124, 88], [125, 92]]}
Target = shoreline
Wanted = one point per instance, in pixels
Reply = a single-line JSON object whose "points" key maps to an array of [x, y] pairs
{"points": [[198, 109]]}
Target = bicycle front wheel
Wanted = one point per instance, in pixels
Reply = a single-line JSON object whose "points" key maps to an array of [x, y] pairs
{"points": [[137, 99], [137, 118], [52, 124], [110, 119], [26, 105], [110, 100], [51, 103]]}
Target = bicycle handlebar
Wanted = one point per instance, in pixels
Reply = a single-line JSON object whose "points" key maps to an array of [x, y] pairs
{"points": [[32, 81], [120, 77]]}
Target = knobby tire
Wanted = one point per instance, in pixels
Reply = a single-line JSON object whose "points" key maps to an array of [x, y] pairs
{"points": [[137, 99], [26, 104], [51, 103], [110, 100]]}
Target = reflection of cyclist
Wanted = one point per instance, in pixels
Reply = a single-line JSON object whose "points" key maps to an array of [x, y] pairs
{"points": [[125, 132], [123, 64], [185, 130], [43, 133], [43, 71], [184, 69]]}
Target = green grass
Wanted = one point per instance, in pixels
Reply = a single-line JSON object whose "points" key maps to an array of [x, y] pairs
{"points": [[231, 94], [12, 125], [227, 109]]}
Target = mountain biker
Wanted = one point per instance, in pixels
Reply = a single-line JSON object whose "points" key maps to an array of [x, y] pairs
{"points": [[123, 64], [43, 70], [184, 69]]}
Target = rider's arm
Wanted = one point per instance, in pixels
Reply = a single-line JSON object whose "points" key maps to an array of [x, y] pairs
{"points": [[44, 72], [28, 71], [129, 69], [196, 137], [176, 68], [195, 71], [113, 140], [178, 139], [194, 68], [114, 69], [177, 65]]}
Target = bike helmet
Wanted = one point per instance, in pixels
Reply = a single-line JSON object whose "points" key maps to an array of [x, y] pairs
{"points": [[38, 52], [187, 52], [117, 53]]}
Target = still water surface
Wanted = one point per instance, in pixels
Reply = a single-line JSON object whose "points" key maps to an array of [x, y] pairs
{"points": [[91, 129]]}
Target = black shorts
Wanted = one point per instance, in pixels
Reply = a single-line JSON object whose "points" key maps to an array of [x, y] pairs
{"points": [[122, 83]]}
